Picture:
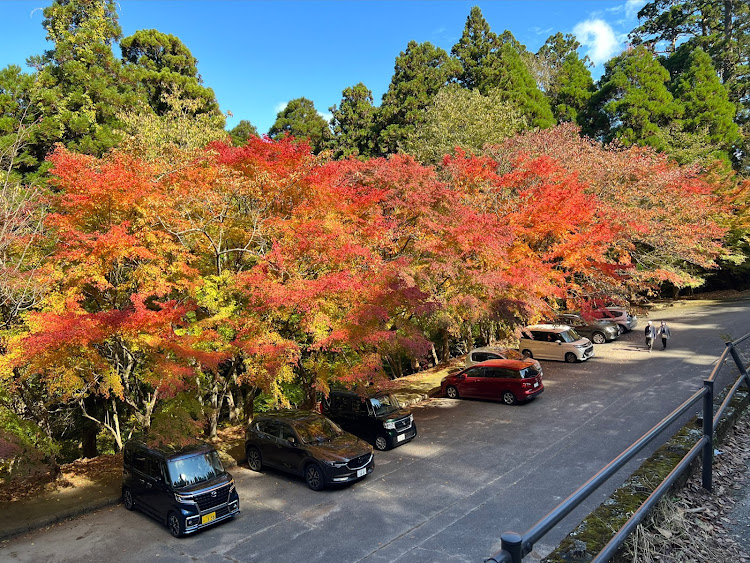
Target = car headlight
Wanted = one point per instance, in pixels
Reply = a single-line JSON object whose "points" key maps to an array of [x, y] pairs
{"points": [[389, 425], [337, 464], [231, 486], [183, 498]]}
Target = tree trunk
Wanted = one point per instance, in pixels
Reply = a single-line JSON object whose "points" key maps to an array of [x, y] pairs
{"points": [[88, 440]]}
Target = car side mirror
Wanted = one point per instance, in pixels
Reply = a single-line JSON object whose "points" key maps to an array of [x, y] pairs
{"points": [[292, 441], [559, 343]]}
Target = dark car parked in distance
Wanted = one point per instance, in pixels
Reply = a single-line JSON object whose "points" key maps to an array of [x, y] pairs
{"points": [[308, 444], [378, 418], [510, 381], [187, 488], [598, 331]]}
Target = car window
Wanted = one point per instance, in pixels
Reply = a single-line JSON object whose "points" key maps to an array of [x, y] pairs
{"points": [[286, 432], [383, 404], [341, 403], [528, 372], [475, 371], [570, 335], [268, 427], [195, 469], [139, 461], [153, 468], [478, 357]]}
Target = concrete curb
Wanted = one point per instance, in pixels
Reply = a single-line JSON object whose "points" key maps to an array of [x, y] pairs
{"points": [[55, 517]]}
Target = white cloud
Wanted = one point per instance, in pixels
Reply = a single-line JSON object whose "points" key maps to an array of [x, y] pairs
{"points": [[327, 116], [599, 39], [281, 106], [633, 6]]}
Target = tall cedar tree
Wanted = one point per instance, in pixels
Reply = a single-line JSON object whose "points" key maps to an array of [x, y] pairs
{"points": [[83, 84], [302, 121], [706, 105], [162, 65], [633, 103], [419, 73], [352, 123], [490, 62], [565, 77]]}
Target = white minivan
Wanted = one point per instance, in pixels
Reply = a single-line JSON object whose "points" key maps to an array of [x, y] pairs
{"points": [[554, 342]]}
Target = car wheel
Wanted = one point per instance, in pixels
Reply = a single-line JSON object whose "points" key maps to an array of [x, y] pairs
{"points": [[570, 357], [620, 330], [127, 499], [451, 392], [314, 477], [254, 459], [381, 443], [509, 398], [175, 525], [527, 353], [598, 338]]}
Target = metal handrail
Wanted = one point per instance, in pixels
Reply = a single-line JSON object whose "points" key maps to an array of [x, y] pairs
{"points": [[515, 546]]}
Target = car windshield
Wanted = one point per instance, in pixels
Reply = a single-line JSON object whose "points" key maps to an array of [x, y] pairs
{"points": [[570, 335], [317, 429], [383, 404], [529, 372], [195, 469]]}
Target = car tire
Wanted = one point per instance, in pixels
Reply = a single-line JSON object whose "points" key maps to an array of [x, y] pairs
{"points": [[451, 392], [314, 477], [127, 499], [570, 357], [509, 398], [381, 443], [175, 525], [620, 330], [598, 338], [527, 353], [254, 458]]}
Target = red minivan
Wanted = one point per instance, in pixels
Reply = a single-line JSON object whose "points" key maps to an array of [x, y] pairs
{"points": [[509, 381]]}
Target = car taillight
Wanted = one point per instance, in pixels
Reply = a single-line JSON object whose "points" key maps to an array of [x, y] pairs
{"points": [[527, 385]]}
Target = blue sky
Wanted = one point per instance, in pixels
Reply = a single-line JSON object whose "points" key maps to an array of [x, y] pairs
{"points": [[258, 55]]}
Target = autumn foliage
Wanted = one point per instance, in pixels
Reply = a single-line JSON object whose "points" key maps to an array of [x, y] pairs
{"points": [[248, 269]]}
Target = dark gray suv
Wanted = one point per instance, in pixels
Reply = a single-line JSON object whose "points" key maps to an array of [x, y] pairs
{"points": [[185, 488], [307, 444]]}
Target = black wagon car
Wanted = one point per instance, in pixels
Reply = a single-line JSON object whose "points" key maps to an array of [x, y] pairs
{"points": [[378, 418], [308, 444], [185, 488]]}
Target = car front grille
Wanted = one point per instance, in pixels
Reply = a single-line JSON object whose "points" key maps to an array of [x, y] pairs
{"points": [[359, 462], [403, 424], [215, 497], [589, 351]]}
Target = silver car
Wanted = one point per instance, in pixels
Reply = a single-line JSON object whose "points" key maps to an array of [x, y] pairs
{"points": [[485, 353]]}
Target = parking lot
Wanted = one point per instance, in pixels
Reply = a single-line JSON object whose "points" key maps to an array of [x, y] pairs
{"points": [[477, 469]]}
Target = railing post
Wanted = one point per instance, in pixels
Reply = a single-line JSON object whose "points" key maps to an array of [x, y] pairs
{"points": [[738, 361], [512, 542], [708, 434]]}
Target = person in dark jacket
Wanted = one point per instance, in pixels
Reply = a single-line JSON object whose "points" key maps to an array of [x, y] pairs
{"points": [[665, 334]]}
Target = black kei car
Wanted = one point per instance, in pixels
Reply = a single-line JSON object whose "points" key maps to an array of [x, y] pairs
{"points": [[185, 488], [378, 418], [308, 444]]}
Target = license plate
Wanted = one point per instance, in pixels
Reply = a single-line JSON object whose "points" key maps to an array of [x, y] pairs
{"points": [[536, 384], [400, 437], [208, 518], [362, 472]]}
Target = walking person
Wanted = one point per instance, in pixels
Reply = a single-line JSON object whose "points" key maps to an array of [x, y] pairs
{"points": [[650, 333], [665, 334]]}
